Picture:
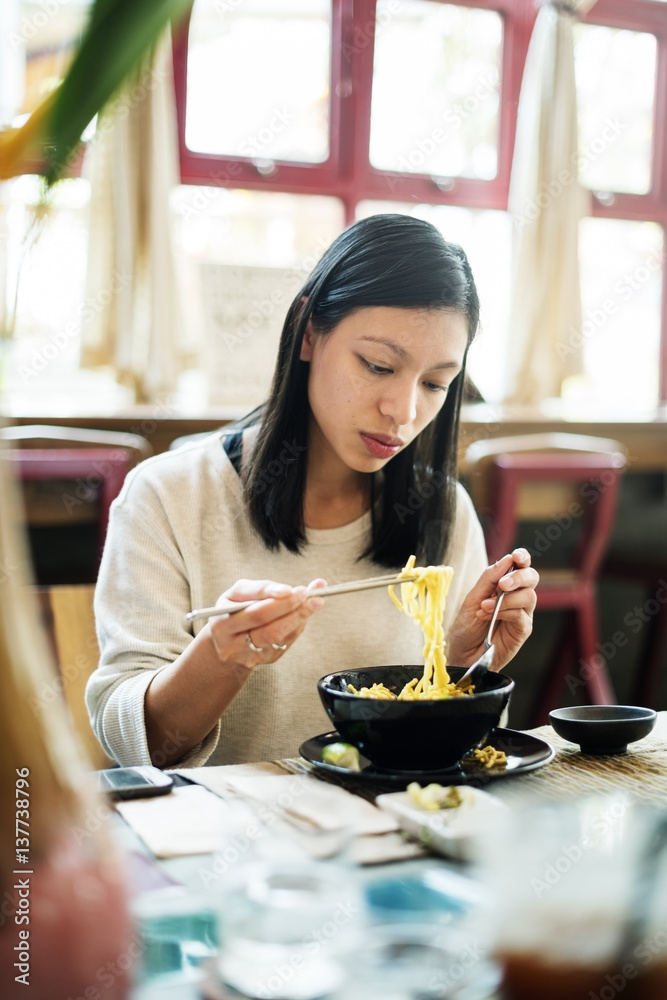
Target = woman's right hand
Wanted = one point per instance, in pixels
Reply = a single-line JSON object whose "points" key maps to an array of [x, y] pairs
{"points": [[173, 702], [264, 633]]}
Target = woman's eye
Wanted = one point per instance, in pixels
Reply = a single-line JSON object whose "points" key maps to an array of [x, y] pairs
{"points": [[433, 387], [376, 369]]}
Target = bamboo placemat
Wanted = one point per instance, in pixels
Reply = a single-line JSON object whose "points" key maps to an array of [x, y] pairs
{"points": [[640, 772]]}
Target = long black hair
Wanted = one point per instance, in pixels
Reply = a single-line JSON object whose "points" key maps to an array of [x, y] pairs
{"points": [[385, 260]]}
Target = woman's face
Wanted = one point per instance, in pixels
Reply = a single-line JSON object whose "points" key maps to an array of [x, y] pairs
{"points": [[378, 379]]}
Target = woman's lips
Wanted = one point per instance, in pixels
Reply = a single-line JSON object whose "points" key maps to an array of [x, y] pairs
{"points": [[381, 445]]}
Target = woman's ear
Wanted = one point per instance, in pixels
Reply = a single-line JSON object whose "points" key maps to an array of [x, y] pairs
{"points": [[306, 353]]}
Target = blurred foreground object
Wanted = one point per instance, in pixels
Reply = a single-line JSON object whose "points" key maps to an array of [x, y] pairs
{"points": [[578, 899], [65, 927], [118, 35]]}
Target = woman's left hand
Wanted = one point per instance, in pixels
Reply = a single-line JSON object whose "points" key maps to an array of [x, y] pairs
{"points": [[515, 618]]}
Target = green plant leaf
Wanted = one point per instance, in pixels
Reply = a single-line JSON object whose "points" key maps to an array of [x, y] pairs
{"points": [[119, 34]]}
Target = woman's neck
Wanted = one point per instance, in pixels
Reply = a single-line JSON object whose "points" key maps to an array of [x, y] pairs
{"points": [[326, 507], [334, 494]]}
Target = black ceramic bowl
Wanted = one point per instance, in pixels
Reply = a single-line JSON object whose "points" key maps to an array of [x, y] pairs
{"points": [[603, 728], [412, 735]]}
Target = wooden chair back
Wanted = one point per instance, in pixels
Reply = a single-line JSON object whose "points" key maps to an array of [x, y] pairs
{"points": [[69, 477], [44, 436], [536, 500], [67, 613]]}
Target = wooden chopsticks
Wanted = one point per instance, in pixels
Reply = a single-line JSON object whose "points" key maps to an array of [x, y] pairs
{"points": [[230, 607]]}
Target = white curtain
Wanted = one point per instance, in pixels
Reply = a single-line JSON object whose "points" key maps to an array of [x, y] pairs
{"points": [[133, 317], [546, 202]]}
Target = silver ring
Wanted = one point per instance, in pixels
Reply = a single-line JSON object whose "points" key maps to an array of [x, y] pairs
{"points": [[281, 648], [251, 644]]}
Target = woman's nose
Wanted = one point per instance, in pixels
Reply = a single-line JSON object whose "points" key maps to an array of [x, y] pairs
{"points": [[400, 403]]}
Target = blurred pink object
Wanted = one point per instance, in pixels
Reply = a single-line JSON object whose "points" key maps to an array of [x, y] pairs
{"points": [[81, 942]]}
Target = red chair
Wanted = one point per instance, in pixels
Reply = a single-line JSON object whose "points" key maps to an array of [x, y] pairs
{"points": [[70, 477], [86, 473], [571, 481]]}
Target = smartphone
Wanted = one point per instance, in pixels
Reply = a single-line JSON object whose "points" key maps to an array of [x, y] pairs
{"points": [[134, 782]]}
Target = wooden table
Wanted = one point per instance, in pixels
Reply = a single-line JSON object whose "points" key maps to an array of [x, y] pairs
{"points": [[641, 772], [643, 434]]}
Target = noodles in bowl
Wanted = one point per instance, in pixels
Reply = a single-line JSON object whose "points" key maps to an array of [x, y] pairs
{"points": [[404, 717]]}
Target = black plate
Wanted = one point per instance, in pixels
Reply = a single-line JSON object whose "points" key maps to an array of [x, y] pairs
{"points": [[524, 753]]}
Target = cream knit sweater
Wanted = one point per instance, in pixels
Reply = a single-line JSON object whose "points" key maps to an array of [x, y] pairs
{"points": [[178, 537]]}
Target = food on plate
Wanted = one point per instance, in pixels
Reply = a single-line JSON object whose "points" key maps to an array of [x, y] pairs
{"points": [[342, 755], [423, 600], [453, 829], [434, 797], [489, 757]]}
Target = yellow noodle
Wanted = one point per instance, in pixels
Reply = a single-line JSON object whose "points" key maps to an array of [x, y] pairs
{"points": [[423, 600], [375, 691], [489, 757]]}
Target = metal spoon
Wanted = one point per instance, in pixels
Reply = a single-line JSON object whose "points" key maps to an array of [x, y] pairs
{"points": [[475, 672]]}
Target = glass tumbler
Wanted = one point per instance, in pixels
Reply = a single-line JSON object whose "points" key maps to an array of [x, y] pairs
{"points": [[287, 924], [564, 879], [418, 961]]}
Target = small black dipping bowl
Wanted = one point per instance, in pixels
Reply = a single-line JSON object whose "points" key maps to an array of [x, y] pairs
{"points": [[603, 728], [412, 735]]}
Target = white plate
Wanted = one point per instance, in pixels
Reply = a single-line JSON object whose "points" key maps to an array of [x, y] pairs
{"points": [[447, 831]]}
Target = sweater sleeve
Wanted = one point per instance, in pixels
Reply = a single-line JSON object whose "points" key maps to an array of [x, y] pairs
{"points": [[140, 597]]}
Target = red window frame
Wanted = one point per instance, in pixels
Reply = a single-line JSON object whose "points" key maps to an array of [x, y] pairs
{"points": [[348, 174], [296, 178]]}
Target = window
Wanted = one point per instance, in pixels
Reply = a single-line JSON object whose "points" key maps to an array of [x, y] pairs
{"points": [[457, 149], [372, 105], [434, 97], [621, 72], [233, 56], [246, 255], [43, 242], [418, 115], [615, 105]]}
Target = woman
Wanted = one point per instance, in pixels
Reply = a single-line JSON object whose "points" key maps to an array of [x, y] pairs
{"points": [[348, 467]]}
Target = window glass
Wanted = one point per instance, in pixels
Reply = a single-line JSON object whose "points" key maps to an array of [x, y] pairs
{"points": [[258, 79], [271, 229], [486, 238], [46, 251], [36, 48], [244, 255], [621, 276], [43, 246], [615, 72], [435, 89]]}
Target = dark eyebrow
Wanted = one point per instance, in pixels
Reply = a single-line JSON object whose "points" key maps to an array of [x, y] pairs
{"points": [[445, 364], [401, 353]]}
